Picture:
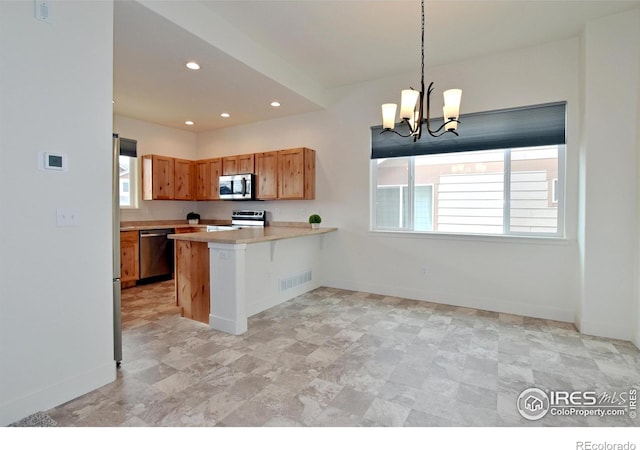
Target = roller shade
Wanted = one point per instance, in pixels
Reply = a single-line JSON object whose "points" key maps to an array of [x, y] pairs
{"points": [[128, 147], [527, 126]]}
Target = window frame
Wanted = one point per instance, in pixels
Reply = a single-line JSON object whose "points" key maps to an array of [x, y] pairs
{"points": [[506, 228]]}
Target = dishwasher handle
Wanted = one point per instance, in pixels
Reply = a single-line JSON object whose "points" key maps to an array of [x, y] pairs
{"points": [[147, 235]]}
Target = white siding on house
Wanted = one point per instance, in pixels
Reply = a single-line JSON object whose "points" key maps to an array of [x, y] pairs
{"points": [[470, 203], [473, 203], [530, 203]]}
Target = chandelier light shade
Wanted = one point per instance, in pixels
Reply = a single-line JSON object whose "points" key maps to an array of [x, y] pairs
{"points": [[412, 107], [389, 115]]}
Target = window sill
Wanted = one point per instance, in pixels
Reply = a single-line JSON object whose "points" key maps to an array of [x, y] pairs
{"points": [[493, 238]]}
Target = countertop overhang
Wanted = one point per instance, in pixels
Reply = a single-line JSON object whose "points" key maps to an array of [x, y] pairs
{"points": [[251, 235]]}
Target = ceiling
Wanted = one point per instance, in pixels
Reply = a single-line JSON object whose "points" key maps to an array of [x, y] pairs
{"points": [[254, 52]]}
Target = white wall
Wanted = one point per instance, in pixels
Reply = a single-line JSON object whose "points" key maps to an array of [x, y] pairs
{"points": [[268, 263], [56, 319], [636, 312], [513, 275], [158, 140], [609, 219]]}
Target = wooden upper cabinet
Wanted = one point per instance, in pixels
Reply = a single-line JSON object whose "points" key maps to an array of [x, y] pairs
{"points": [[215, 170], [283, 174], [297, 174], [233, 165], [202, 179], [230, 165], [246, 163], [207, 173], [157, 177], [183, 180], [266, 165]]}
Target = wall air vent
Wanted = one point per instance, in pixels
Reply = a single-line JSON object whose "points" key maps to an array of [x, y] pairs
{"points": [[294, 280]]}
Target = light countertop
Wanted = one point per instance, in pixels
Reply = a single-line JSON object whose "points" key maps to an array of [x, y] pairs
{"points": [[251, 235]]}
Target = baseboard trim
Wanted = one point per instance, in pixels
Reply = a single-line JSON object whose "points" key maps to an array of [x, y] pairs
{"points": [[519, 308], [228, 325]]}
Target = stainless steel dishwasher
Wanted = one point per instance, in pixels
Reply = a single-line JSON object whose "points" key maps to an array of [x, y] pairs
{"points": [[156, 253]]}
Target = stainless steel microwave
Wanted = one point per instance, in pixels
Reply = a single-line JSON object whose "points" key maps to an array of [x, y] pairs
{"points": [[237, 187]]}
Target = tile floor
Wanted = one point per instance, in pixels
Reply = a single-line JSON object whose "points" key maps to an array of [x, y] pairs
{"points": [[341, 358]]}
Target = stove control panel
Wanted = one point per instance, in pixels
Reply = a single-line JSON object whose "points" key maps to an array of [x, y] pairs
{"points": [[248, 217]]}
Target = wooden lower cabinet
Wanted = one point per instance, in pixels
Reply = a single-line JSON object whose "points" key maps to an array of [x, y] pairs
{"points": [[192, 279], [189, 230], [129, 258]]}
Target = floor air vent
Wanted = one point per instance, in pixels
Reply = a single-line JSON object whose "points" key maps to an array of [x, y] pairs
{"points": [[294, 280]]}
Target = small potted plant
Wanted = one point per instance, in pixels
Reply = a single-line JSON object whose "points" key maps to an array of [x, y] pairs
{"points": [[193, 218], [314, 220]]}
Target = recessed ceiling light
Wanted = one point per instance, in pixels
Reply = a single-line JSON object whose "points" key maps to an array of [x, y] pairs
{"points": [[275, 104], [225, 115], [193, 65], [188, 122]]}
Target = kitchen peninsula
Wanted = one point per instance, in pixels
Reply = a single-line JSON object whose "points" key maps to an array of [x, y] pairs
{"points": [[224, 277]]}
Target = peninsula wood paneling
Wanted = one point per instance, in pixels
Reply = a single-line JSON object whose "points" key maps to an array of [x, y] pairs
{"points": [[192, 280]]}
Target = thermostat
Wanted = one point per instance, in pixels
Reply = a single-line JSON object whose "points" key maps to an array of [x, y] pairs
{"points": [[55, 161]]}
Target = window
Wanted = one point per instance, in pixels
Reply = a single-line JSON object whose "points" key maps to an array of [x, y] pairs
{"points": [[475, 184], [506, 191], [128, 168], [128, 180]]}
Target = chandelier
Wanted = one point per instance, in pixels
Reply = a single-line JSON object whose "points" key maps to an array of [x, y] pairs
{"points": [[412, 107]]}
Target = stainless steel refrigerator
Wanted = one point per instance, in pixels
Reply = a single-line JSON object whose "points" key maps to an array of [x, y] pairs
{"points": [[115, 214]]}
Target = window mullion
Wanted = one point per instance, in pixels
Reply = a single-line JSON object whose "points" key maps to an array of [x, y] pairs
{"points": [[411, 193], [506, 189], [561, 190], [373, 192]]}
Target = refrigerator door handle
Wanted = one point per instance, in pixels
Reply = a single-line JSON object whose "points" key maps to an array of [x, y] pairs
{"points": [[117, 322], [115, 217]]}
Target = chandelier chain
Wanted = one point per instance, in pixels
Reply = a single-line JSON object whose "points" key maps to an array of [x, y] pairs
{"points": [[422, 45]]}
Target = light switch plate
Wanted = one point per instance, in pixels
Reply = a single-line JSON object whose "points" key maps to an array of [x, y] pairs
{"points": [[66, 217], [42, 11]]}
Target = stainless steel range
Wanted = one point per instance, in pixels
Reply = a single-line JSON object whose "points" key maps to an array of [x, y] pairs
{"points": [[242, 218]]}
